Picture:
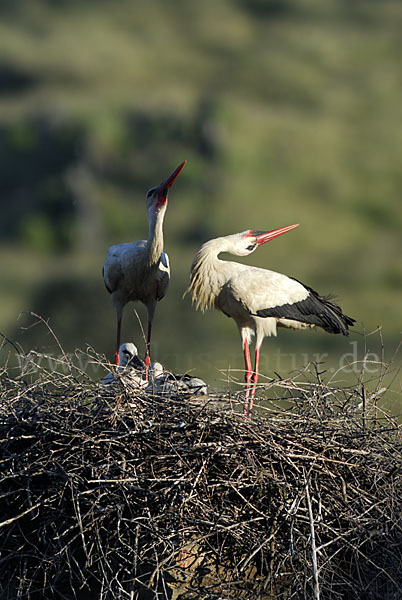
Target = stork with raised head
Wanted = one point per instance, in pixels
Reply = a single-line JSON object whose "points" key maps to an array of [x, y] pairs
{"points": [[140, 270], [258, 300]]}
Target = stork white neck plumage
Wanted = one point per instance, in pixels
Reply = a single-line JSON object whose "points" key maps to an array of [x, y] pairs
{"points": [[203, 287], [154, 245]]}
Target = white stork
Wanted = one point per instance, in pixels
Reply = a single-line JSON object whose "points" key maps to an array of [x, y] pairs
{"points": [[257, 299], [140, 270]]}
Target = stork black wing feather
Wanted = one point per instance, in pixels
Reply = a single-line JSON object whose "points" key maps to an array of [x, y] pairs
{"points": [[314, 310]]}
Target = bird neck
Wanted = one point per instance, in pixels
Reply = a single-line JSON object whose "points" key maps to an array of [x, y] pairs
{"points": [[208, 274], [155, 235]]}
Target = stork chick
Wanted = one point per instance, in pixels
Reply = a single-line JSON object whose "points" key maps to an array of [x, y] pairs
{"points": [[130, 366], [162, 381]]}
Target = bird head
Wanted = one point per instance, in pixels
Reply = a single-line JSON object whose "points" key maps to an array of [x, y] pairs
{"points": [[128, 354], [157, 196], [248, 241], [156, 370]]}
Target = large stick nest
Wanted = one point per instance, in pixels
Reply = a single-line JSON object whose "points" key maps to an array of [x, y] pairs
{"points": [[121, 494]]}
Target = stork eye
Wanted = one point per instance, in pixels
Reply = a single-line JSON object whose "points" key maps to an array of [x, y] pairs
{"points": [[251, 247]]}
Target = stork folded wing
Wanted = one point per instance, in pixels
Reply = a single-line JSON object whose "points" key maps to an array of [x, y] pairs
{"points": [[314, 310]]}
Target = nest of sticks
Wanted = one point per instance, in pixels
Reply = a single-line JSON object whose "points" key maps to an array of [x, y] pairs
{"points": [[121, 494]]}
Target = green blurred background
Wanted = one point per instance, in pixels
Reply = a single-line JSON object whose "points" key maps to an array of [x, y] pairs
{"points": [[287, 111]]}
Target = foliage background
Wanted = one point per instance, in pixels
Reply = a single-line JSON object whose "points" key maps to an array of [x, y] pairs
{"points": [[286, 111]]}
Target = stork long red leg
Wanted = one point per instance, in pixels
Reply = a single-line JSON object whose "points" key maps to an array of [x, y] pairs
{"points": [[147, 358], [255, 380], [248, 371], [116, 356]]}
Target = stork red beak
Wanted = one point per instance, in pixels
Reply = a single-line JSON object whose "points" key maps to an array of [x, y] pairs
{"points": [[165, 186], [266, 236]]}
